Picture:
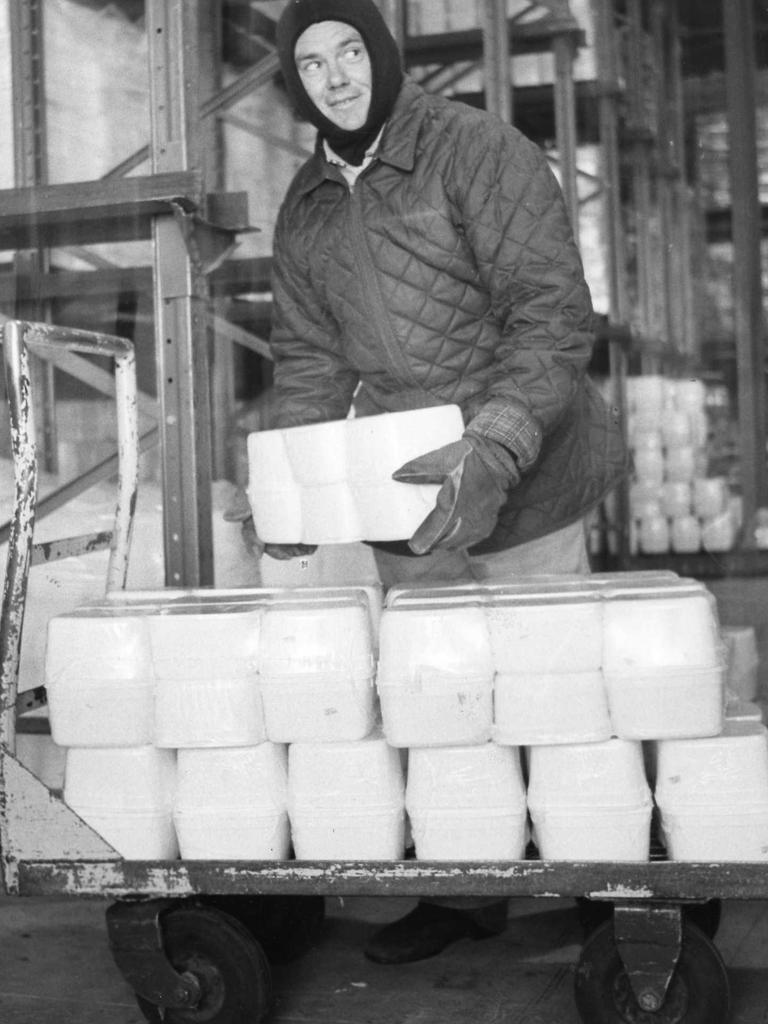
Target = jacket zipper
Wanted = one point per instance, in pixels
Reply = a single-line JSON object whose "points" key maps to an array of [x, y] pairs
{"points": [[379, 311]]}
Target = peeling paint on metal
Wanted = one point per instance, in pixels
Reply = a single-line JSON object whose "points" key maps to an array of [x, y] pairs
{"points": [[614, 892], [28, 824]]}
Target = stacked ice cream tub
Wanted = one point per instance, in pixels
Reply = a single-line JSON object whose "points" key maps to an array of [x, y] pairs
{"points": [[676, 503], [600, 692], [312, 723], [194, 724]]}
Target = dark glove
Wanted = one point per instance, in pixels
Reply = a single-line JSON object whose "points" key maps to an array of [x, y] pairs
{"points": [[475, 474], [282, 552], [239, 509]]}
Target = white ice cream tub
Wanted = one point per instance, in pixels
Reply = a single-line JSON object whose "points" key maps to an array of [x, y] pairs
{"points": [[99, 679], [346, 800], [467, 803], [232, 803], [316, 668], [205, 660], [126, 795], [435, 675]]}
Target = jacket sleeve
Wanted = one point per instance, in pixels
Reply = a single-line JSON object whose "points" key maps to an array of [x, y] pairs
{"points": [[313, 381], [514, 216]]}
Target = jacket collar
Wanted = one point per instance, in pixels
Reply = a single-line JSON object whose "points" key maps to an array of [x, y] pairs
{"points": [[398, 143]]}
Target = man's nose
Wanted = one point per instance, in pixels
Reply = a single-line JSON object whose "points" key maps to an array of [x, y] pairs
{"points": [[337, 74]]}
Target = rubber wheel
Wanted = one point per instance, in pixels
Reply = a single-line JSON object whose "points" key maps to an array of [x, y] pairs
{"points": [[698, 992], [286, 927], [706, 916], [227, 961]]}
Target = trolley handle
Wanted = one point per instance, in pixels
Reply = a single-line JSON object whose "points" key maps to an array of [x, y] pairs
{"points": [[19, 339]]}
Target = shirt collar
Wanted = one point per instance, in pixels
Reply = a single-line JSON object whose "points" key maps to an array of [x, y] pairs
{"points": [[337, 161]]}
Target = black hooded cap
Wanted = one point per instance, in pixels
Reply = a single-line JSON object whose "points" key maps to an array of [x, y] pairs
{"points": [[386, 69]]}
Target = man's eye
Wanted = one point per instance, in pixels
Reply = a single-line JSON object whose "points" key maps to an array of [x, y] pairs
{"points": [[354, 52]]}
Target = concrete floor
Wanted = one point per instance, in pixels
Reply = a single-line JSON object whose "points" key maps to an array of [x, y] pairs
{"points": [[56, 969]]}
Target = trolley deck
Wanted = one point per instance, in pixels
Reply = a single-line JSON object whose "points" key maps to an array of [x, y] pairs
{"points": [[183, 932]]}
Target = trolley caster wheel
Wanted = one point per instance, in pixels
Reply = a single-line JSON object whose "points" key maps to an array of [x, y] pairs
{"points": [[225, 959], [593, 913], [698, 992], [286, 927], [706, 916]]}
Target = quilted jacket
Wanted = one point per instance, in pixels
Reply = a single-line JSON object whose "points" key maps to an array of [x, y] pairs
{"points": [[448, 273]]}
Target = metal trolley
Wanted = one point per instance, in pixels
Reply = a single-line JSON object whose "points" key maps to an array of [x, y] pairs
{"points": [[195, 939]]}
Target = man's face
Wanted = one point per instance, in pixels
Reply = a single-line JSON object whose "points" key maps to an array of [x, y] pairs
{"points": [[335, 69]]}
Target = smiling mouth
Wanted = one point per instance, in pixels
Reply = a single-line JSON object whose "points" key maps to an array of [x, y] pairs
{"points": [[347, 101]]}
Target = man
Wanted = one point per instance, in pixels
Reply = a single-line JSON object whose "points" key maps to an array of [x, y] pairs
{"points": [[423, 256]]}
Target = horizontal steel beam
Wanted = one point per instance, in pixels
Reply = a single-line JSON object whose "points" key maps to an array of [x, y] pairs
{"points": [[626, 881], [87, 212], [233, 277]]}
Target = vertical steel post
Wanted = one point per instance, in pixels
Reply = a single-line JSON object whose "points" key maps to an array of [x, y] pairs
{"points": [[683, 299], [181, 321], [212, 154], [565, 124], [665, 178], [496, 59], [637, 118], [31, 168], [747, 285], [23, 448], [606, 52]]}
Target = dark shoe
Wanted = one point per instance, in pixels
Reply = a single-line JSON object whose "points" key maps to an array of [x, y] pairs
{"points": [[429, 928]]}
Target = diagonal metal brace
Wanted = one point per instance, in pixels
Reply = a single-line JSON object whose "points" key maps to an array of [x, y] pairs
{"points": [[211, 239], [649, 940], [136, 942]]}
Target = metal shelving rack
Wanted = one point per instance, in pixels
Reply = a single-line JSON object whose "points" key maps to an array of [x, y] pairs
{"points": [[636, 100], [190, 230]]}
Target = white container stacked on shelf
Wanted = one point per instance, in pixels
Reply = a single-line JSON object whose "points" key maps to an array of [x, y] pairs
{"points": [[547, 655], [467, 803], [712, 794], [205, 663], [584, 668], [99, 680], [663, 661], [329, 483], [674, 504], [195, 654], [316, 669], [571, 660], [590, 801], [231, 803], [100, 684], [467, 675], [346, 800], [126, 795], [435, 676]]}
